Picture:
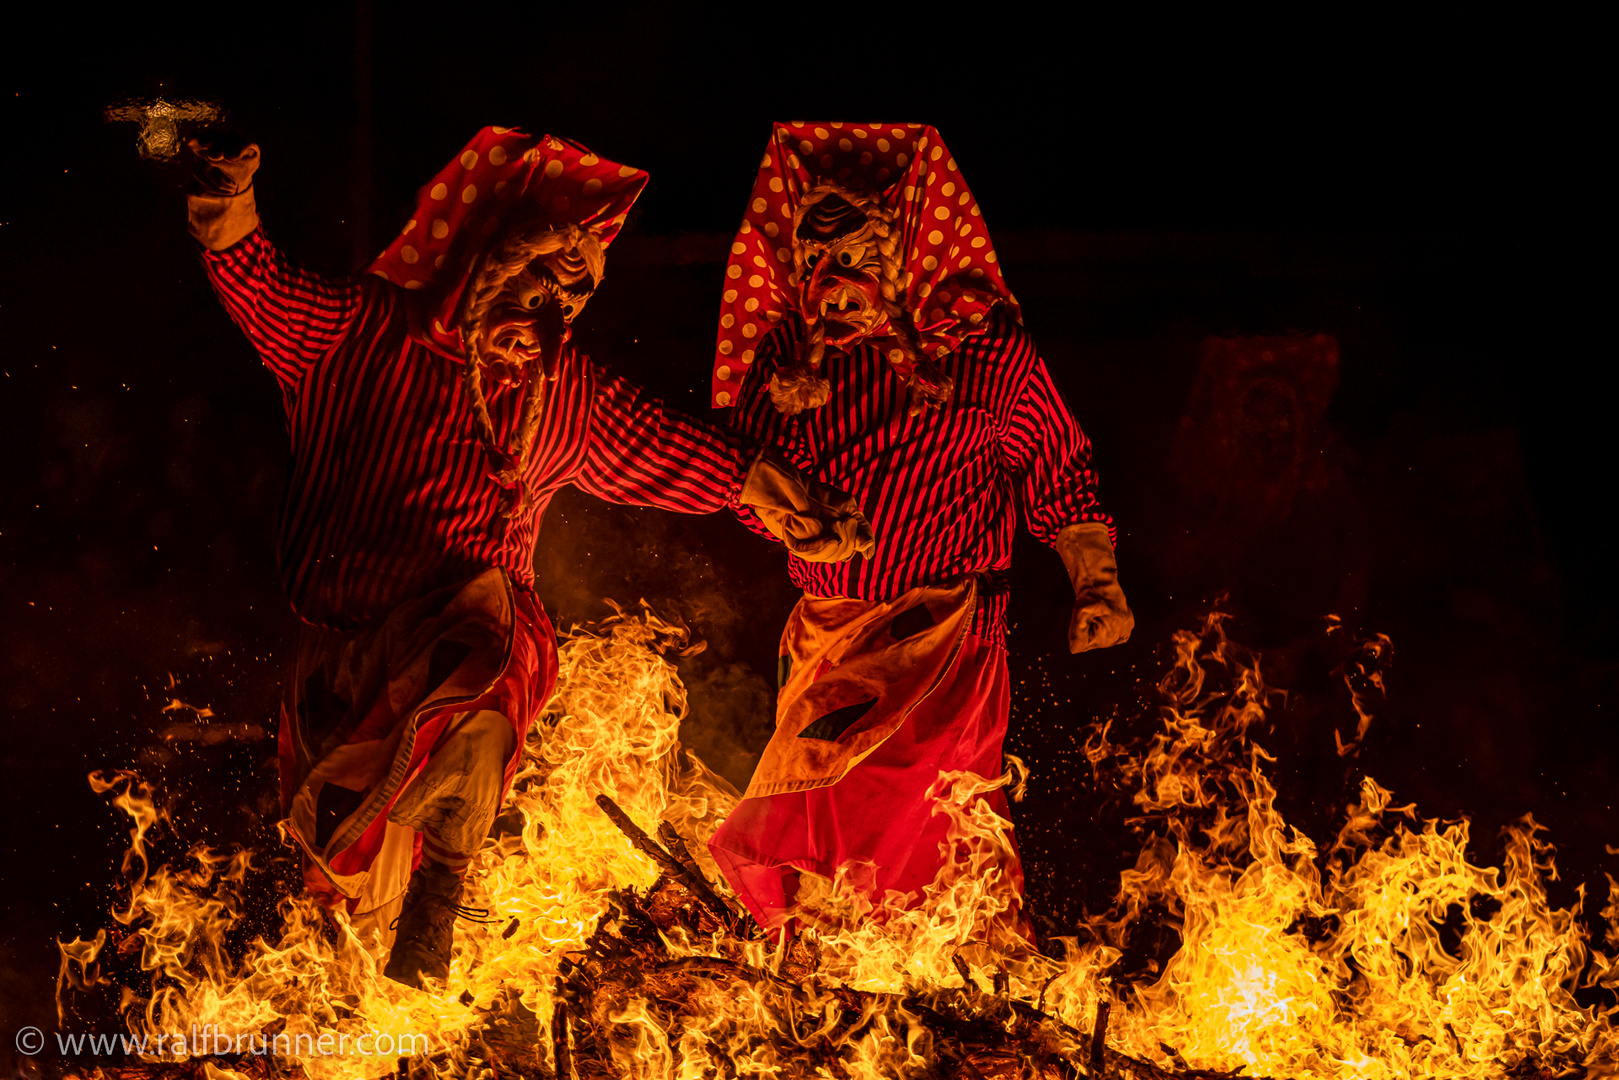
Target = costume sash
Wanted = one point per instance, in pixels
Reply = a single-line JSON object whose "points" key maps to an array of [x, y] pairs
{"points": [[850, 672]]}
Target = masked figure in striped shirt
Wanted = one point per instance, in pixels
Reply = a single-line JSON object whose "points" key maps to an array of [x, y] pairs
{"points": [[866, 330], [434, 407]]}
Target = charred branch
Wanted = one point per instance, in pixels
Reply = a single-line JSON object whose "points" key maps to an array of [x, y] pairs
{"points": [[682, 868], [970, 1033], [1099, 1037]]}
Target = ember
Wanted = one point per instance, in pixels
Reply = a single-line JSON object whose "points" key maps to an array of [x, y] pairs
{"points": [[612, 950]]}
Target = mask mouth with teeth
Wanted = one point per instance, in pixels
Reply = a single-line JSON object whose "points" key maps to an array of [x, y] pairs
{"points": [[838, 257], [849, 291]]}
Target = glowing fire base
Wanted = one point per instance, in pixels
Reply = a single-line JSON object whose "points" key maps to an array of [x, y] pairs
{"points": [[613, 954]]}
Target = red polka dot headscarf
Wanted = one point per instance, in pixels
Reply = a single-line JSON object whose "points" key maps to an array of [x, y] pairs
{"points": [[460, 211], [951, 275]]}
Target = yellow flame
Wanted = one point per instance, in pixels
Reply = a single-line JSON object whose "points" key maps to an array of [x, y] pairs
{"points": [[1390, 955], [1284, 971]]}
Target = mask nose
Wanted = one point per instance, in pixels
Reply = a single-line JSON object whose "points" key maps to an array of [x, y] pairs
{"points": [[826, 275], [552, 322]]}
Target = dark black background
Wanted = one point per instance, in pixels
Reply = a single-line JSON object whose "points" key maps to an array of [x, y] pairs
{"points": [[1422, 190]]}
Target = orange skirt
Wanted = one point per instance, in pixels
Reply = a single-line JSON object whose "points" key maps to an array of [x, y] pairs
{"points": [[874, 822]]}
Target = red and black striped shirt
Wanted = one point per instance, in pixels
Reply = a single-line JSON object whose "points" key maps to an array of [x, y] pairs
{"points": [[390, 493], [943, 489]]}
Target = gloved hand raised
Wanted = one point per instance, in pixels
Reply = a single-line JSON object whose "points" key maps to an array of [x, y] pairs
{"points": [[816, 522], [219, 193], [1101, 616]]}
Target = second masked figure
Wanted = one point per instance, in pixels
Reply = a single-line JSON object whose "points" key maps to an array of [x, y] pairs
{"points": [[867, 332]]}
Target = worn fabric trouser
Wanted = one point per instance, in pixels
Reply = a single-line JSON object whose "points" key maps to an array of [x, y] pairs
{"points": [[457, 795], [415, 725]]}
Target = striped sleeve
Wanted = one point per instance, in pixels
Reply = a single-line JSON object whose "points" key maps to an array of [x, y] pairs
{"points": [[756, 417], [1048, 455], [640, 451], [290, 314]]}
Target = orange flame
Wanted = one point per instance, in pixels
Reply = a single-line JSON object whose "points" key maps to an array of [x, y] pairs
{"points": [[1284, 971], [1390, 955]]}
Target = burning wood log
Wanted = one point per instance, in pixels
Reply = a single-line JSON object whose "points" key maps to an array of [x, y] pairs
{"points": [[561, 1052], [966, 1033], [684, 870], [1099, 1036]]}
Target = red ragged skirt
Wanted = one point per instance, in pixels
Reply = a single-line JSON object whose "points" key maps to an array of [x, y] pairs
{"points": [[878, 823]]}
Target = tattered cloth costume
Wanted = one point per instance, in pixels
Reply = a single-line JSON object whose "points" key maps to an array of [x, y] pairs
{"points": [[893, 667], [406, 541]]}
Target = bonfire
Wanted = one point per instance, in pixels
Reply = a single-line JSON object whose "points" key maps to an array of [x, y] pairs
{"points": [[612, 950]]}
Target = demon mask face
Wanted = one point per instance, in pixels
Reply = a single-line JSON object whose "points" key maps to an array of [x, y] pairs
{"points": [[841, 271], [531, 289]]}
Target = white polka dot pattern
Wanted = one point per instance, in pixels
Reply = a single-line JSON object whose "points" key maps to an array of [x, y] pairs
{"points": [[500, 170], [907, 166]]}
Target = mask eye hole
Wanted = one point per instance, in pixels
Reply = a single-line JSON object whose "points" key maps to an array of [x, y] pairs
{"points": [[845, 258], [811, 259], [567, 312], [534, 300]]}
